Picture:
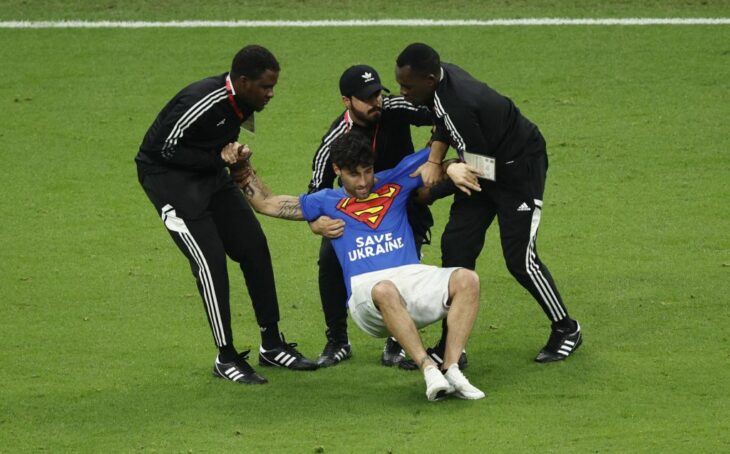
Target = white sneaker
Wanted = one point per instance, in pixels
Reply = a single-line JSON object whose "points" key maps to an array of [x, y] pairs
{"points": [[462, 388], [437, 387]]}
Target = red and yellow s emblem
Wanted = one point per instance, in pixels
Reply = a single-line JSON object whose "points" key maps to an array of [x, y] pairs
{"points": [[372, 209]]}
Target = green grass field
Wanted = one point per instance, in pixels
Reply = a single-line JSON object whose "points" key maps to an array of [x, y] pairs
{"points": [[103, 341]]}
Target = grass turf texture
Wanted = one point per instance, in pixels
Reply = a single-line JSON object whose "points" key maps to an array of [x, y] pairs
{"points": [[104, 344]]}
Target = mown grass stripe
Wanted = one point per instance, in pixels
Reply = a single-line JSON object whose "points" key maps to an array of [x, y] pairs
{"points": [[626, 21]]}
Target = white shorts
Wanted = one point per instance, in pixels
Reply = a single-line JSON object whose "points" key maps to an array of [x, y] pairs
{"points": [[424, 288]]}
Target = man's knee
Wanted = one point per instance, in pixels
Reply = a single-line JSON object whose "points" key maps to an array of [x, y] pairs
{"points": [[385, 294], [464, 280]]}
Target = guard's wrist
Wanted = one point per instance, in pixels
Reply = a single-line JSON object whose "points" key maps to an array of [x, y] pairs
{"points": [[446, 164]]}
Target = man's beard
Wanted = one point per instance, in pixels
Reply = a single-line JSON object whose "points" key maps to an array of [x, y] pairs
{"points": [[364, 118]]}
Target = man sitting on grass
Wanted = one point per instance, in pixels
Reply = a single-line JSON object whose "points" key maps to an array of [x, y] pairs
{"points": [[390, 293]]}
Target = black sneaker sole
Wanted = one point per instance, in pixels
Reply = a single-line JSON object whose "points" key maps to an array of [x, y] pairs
{"points": [[244, 380], [263, 362], [324, 363]]}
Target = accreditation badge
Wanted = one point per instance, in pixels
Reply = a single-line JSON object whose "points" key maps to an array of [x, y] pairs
{"points": [[485, 164]]}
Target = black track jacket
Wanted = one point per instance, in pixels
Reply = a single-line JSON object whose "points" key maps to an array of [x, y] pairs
{"points": [[478, 120], [391, 138], [192, 129]]}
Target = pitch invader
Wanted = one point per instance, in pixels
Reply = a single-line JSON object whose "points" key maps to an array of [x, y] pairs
{"points": [[389, 292], [385, 121]]}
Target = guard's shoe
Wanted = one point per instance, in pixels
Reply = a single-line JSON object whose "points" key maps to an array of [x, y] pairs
{"points": [[238, 370], [407, 364], [437, 355], [561, 344], [393, 353], [462, 388], [285, 355], [333, 353], [437, 387]]}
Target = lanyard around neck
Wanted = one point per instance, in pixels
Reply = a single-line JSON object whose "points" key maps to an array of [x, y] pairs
{"points": [[231, 99]]}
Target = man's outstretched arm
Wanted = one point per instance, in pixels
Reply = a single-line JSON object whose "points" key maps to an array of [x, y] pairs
{"points": [[261, 198]]}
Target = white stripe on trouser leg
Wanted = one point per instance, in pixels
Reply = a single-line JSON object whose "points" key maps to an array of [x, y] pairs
{"points": [[210, 296], [528, 259], [533, 269], [548, 288], [543, 284], [175, 224]]}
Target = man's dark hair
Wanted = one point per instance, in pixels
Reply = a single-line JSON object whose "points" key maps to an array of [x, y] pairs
{"points": [[252, 61], [351, 150], [422, 59]]}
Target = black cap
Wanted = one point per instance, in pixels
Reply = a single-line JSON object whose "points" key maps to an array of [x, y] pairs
{"points": [[360, 81]]}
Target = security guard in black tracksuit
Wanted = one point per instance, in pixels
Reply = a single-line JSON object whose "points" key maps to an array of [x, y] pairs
{"points": [[181, 170], [491, 135], [386, 122]]}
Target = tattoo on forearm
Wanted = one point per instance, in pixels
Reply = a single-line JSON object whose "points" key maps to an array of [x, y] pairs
{"points": [[289, 210], [249, 191], [255, 185]]}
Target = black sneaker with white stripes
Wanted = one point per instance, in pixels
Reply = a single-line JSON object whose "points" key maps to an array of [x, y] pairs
{"points": [[238, 370], [334, 352], [285, 355], [393, 353], [561, 344], [437, 355]]}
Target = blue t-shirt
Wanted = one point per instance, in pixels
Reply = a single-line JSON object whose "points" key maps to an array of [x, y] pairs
{"points": [[377, 234]]}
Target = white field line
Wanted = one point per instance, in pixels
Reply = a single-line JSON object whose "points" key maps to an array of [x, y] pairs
{"points": [[630, 21]]}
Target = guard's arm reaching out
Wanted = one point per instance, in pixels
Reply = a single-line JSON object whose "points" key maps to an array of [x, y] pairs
{"points": [[261, 198]]}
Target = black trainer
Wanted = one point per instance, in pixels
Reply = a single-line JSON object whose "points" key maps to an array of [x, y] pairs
{"points": [[561, 344], [437, 355], [393, 353], [238, 370], [285, 356], [334, 352]]}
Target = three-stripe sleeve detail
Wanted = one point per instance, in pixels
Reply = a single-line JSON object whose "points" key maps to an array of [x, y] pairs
{"points": [[321, 158], [189, 117]]}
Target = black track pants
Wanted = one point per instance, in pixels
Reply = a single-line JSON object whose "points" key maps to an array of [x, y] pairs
{"points": [[206, 233], [517, 205]]}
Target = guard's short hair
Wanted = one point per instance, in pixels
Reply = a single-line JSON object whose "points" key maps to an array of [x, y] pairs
{"points": [[422, 58], [252, 61], [352, 150]]}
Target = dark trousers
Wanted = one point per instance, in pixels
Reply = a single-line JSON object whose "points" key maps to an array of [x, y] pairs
{"points": [[332, 290], [209, 219], [517, 203]]}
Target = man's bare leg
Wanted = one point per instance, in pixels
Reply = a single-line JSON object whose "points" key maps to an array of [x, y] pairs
{"points": [[464, 296], [389, 302]]}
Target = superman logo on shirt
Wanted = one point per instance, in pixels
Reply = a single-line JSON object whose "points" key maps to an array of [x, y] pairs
{"points": [[372, 209]]}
